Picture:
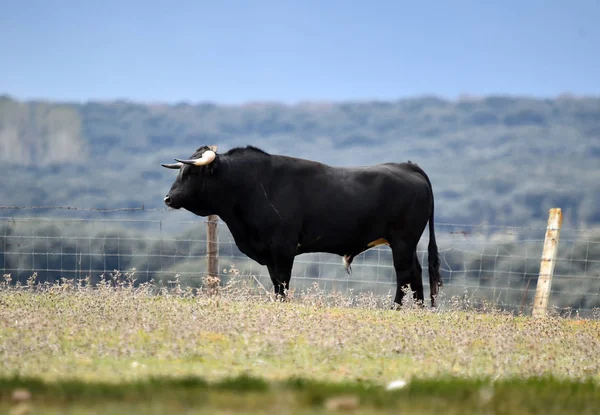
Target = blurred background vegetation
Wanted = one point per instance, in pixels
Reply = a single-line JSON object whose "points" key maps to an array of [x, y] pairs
{"points": [[500, 160]]}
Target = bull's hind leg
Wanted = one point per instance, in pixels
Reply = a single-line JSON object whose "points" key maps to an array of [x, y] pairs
{"points": [[417, 282], [406, 266]]}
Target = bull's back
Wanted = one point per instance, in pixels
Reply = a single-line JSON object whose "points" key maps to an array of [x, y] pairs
{"points": [[382, 190], [341, 208]]}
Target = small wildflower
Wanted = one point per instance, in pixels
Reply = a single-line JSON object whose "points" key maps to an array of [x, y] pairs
{"points": [[396, 384]]}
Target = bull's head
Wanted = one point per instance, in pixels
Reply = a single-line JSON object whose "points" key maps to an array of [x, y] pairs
{"points": [[190, 187]]}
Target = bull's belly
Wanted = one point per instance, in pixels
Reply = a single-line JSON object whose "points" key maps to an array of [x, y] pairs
{"points": [[342, 246]]}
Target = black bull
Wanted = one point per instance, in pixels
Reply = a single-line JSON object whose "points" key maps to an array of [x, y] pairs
{"points": [[277, 207]]}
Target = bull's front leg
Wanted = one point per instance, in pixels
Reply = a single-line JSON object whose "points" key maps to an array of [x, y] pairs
{"points": [[282, 246], [279, 286], [280, 268], [281, 273]]}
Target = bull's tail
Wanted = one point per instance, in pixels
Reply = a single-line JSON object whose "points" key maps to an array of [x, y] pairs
{"points": [[435, 278]]}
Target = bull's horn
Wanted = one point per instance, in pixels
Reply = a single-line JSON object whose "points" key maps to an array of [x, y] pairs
{"points": [[172, 166], [207, 157]]}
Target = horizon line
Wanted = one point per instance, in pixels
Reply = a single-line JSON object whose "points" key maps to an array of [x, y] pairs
{"points": [[463, 97]]}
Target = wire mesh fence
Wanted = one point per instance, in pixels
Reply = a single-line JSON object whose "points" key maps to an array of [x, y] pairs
{"points": [[492, 265]]}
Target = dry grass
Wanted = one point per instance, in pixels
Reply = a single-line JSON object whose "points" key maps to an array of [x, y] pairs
{"points": [[117, 332]]}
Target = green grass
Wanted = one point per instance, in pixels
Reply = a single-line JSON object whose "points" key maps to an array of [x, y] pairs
{"points": [[123, 349], [250, 395]]}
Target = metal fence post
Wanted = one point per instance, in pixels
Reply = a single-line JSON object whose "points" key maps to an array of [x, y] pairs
{"points": [[544, 282], [212, 246]]}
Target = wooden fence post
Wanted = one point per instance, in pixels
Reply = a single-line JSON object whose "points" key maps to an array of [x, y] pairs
{"points": [[212, 246], [544, 282]]}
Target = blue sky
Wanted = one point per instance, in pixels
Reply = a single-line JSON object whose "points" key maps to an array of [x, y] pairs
{"points": [[238, 51]]}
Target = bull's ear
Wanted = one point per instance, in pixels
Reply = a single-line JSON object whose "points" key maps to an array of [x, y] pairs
{"points": [[213, 148]]}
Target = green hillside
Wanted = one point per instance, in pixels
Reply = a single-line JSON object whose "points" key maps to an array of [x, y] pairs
{"points": [[500, 160]]}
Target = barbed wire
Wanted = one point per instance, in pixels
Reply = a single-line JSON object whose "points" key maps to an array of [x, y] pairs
{"points": [[142, 208], [104, 210]]}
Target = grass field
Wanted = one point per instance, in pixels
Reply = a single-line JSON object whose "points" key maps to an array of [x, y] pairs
{"points": [[117, 348]]}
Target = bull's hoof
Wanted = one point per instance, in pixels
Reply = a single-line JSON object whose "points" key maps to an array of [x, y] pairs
{"points": [[281, 298]]}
